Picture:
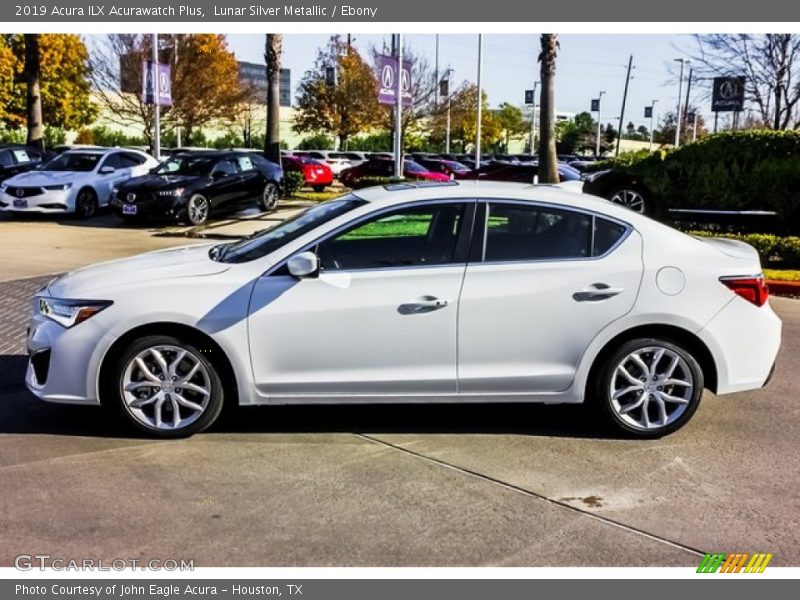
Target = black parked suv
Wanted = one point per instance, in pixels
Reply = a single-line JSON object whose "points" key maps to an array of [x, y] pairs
{"points": [[191, 185], [16, 158]]}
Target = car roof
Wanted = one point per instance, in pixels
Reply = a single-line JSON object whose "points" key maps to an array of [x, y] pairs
{"points": [[403, 192]]}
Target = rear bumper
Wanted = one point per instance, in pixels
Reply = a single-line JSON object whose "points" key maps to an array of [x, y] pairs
{"points": [[744, 340]]}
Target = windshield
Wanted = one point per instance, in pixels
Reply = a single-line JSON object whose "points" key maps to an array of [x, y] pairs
{"points": [[186, 165], [415, 167], [73, 161], [270, 240]]}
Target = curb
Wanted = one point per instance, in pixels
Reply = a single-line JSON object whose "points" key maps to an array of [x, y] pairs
{"points": [[784, 288]]}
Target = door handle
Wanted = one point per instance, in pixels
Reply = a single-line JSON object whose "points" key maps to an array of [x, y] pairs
{"points": [[595, 292], [422, 305]]}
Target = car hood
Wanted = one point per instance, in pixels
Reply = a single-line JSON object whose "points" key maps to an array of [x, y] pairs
{"points": [[158, 182], [39, 178], [172, 263]]}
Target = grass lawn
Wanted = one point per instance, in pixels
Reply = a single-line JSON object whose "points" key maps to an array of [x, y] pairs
{"points": [[782, 274], [311, 196]]}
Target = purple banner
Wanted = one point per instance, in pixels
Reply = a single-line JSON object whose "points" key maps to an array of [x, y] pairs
{"points": [[387, 80], [162, 72]]}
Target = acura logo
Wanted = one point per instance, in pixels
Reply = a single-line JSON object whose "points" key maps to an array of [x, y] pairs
{"points": [[729, 89], [130, 197], [20, 192], [387, 76]]}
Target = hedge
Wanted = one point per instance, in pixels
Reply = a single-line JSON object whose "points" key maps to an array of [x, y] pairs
{"points": [[773, 249], [292, 181], [738, 170]]}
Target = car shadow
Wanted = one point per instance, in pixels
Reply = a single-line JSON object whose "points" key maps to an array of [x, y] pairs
{"points": [[22, 413]]}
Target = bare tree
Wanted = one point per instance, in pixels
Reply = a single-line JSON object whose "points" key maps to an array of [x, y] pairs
{"points": [[272, 55], [548, 161], [770, 64], [34, 97]]}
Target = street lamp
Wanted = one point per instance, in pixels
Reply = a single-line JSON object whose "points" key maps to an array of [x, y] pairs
{"points": [[447, 80], [533, 120], [597, 146], [652, 113], [683, 62]]}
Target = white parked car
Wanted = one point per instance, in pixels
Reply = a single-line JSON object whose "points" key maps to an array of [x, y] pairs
{"points": [[448, 292], [335, 161], [74, 182]]}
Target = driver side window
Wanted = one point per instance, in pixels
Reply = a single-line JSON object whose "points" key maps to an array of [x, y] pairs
{"points": [[225, 167], [410, 237]]}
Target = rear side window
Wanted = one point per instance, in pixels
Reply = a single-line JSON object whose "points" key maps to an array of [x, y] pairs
{"points": [[245, 163], [606, 234], [516, 232]]}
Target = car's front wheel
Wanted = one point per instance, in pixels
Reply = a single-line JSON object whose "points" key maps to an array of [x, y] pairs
{"points": [[86, 203], [649, 387], [318, 188], [166, 387], [197, 209]]}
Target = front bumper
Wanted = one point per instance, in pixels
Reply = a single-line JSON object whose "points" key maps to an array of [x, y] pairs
{"points": [[48, 202], [150, 207], [60, 361]]}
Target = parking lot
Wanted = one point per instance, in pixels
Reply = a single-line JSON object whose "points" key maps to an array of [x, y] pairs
{"points": [[412, 485]]}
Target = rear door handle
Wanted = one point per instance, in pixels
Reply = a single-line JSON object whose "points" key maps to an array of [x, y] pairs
{"points": [[422, 305], [595, 292]]}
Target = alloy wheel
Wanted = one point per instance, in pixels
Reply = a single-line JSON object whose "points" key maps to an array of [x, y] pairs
{"points": [[651, 388], [269, 198], [166, 387], [630, 199], [85, 205], [197, 209]]}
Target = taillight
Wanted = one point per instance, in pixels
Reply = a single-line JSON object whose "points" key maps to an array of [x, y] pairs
{"points": [[752, 289]]}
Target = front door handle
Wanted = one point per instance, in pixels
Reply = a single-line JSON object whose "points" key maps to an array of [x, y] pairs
{"points": [[595, 292], [422, 304]]}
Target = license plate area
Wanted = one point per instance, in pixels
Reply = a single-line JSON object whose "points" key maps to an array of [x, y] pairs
{"points": [[129, 209]]}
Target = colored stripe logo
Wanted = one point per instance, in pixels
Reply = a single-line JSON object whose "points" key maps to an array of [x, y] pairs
{"points": [[738, 562]]}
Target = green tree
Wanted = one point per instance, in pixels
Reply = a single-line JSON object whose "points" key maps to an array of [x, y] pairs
{"points": [[548, 161], [463, 120], [344, 107], [63, 81], [511, 122], [578, 135]]}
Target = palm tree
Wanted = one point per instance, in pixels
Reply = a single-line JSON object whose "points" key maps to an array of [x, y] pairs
{"points": [[272, 56], [34, 100], [548, 166]]}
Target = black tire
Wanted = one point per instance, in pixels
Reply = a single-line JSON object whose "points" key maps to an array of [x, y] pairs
{"points": [[86, 203], [318, 188], [686, 369], [116, 399], [269, 197], [635, 199]]}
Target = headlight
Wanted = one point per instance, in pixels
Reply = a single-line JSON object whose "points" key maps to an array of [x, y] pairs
{"points": [[70, 312], [3, 187], [61, 187], [172, 192]]}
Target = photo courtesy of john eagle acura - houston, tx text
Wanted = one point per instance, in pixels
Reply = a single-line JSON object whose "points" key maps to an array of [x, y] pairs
{"points": [[415, 292]]}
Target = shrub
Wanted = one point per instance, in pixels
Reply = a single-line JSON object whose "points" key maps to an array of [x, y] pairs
{"points": [[738, 170], [318, 141], [292, 181]]}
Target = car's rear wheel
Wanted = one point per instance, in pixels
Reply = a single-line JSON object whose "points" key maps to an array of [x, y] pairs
{"points": [[86, 204], [649, 387], [632, 199], [269, 197], [166, 387], [197, 209], [318, 188]]}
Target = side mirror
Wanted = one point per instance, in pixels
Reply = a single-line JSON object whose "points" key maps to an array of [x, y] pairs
{"points": [[305, 264], [106, 170]]}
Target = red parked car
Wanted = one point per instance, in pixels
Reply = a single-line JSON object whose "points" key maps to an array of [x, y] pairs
{"points": [[384, 167], [317, 175]]}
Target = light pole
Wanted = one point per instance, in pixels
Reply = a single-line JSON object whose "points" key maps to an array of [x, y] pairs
{"points": [[533, 119], [450, 72], [156, 106], [683, 62], [398, 120], [480, 103], [597, 145], [652, 113]]}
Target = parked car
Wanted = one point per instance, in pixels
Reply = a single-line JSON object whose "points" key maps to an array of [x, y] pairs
{"points": [[74, 182], [317, 175], [17, 158], [355, 158], [492, 292], [520, 173], [191, 185], [451, 168], [335, 164], [384, 167]]}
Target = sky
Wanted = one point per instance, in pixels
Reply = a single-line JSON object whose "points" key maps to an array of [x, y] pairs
{"points": [[587, 64]]}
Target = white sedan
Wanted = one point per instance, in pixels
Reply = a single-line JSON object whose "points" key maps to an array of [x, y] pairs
{"points": [[448, 292], [74, 182]]}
